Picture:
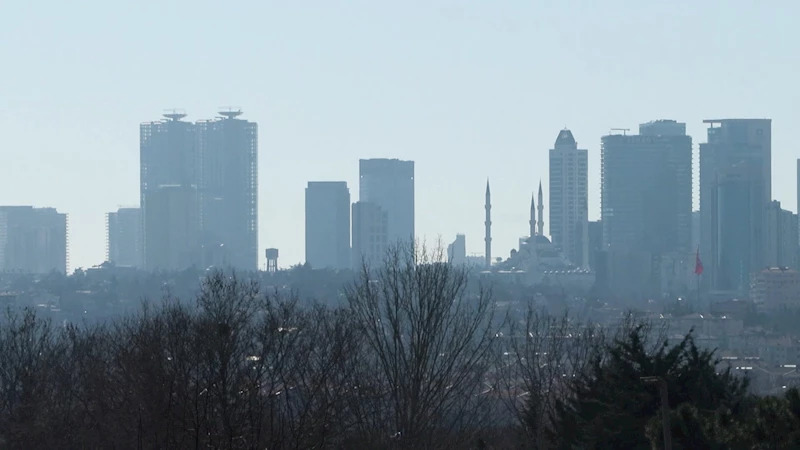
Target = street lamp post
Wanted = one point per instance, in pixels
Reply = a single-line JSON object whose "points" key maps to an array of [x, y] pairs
{"points": [[662, 385]]}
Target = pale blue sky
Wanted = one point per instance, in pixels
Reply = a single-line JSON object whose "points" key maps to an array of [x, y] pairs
{"points": [[467, 89]]}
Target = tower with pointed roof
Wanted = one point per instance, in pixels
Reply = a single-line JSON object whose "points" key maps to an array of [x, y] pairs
{"points": [[488, 224], [541, 210], [568, 191], [532, 221]]}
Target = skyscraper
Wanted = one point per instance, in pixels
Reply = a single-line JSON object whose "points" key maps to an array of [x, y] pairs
{"points": [[389, 184], [746, 144], [328, 224], [569, 195], [646, 188], [209, 172], [33, 240], [782, 242], [646, 200], [370, 235], [169, 179], [227, 149], [735, 252], [124, 237]]}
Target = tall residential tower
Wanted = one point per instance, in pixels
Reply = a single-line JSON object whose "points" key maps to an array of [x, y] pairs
{"points": [[228, 187], [199, 192], [169, 179], [569, 180], [33, 240]]}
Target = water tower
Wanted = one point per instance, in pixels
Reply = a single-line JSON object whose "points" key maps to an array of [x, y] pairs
{"points": [[272, 260]]}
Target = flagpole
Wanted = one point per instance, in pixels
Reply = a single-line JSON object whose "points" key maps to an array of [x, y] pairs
{"points": [[698, 270], [698, 290]]}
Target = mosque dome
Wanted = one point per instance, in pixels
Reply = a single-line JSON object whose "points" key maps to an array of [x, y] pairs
{"points": [[542, 239]]}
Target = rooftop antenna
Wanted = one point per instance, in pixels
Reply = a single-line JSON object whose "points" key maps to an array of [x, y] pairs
{"points": [[624, 130], [175, 114], [230, 112]]}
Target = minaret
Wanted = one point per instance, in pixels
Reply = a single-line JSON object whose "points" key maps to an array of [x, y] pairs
{"points": [[541, 210], [488, 223], [532, 222]]}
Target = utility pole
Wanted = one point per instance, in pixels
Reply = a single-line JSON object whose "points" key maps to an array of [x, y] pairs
{"points": [[662, 387]]}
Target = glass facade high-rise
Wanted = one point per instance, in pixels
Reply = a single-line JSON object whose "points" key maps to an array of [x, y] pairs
{"points": [[782, 242], [646, 189], [733, 196], [328, 225], [389, 183], [739, 148], [370, 235], [646, 203]]}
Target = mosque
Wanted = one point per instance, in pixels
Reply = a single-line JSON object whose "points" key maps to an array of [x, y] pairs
{"points": [[537, 260]]}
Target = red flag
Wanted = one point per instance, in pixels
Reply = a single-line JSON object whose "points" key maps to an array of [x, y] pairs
{"points": [[698, 265]]}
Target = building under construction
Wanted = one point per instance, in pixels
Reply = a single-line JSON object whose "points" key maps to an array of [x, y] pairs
{"points": [[199, 185], [228, 190]]}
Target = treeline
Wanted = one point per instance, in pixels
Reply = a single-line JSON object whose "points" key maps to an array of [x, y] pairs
{"points": [[417, 360]]}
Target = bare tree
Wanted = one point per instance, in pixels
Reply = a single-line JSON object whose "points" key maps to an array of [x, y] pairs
{"points": [[428, 344], [538, 357], [26, 348], [271, 373]]}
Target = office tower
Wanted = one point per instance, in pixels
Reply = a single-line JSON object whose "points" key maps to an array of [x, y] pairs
{"points": [[370, 235], [646, 200], [227, 149], [33, 240], [797, 182], [569, 180], [735, 191], [457, 250], [169, 178], [733, 142], [124, 237], [646, 189], [389, 183], [781, 245], [488, 224], [328, 225]]}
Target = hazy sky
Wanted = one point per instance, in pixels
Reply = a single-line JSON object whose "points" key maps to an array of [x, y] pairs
{"points": [[468, 89]]}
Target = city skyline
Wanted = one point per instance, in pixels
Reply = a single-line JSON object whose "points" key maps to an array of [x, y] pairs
{"points": [[381, 162], [409, 81]]}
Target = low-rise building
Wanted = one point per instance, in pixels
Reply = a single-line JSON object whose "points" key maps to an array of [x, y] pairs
{"points": [[776, 288]]}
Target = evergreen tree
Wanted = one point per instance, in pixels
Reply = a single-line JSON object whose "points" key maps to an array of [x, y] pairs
{"points": [[610, 406]]}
